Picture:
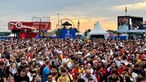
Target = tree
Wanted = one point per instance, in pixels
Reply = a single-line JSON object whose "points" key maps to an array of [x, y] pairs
{"points": [[76, 30], [58, 32], [87, 31], [112, 31]]}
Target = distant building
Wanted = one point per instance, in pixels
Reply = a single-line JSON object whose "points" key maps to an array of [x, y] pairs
{"points": [[5, 33], [126, 23], [144, 25], [131, 25]]}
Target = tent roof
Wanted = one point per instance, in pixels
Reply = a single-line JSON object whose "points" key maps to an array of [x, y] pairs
{"points": [[97, 30], [11, 35], [67, 24]]}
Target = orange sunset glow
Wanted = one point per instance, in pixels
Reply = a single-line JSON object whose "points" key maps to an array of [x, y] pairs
{"points": [[86, 22], [87, 12]]}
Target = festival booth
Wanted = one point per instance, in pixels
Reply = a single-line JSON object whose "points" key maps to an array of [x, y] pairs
{"points": [[131, 25], [28, 29], [67, 32], [118, 37], [97, 32]]}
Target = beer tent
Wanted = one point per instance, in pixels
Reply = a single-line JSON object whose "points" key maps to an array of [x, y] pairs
{"points": [[97, 32]]}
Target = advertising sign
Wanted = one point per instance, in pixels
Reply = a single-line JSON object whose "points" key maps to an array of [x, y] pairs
{"points": [[136, 23], [127, 23], [29, 25], [123, 23], [144, 22], [68, 33]]}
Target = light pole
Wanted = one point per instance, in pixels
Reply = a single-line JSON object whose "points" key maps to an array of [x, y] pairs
{"points": [[78, 26], [58, 17], [126, 11], [58, 14]]}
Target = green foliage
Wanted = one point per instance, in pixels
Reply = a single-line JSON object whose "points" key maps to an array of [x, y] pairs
{"points": [[76, 30], [58, 32], [87, 31], [112, 31]]}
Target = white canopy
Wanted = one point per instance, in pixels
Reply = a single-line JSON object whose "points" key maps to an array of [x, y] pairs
{"points": [[11, 35], [98, 30]]}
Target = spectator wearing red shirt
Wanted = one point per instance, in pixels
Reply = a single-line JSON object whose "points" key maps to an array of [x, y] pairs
{"points": [[75, 70], [121, 68]]}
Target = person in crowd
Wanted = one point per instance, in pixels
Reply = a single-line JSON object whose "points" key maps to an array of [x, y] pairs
{"points": [[76, 77], [22, 76], [121, 68], [23, 64], [140, 79], [48, 55], [49, 77], [46, 70], [90, 80], [54, 73], [13, 68], [66, 59], [76, 70], [88, 75], [126, 79], [64, 76], [81, 80], [2, 71], [10, 79], [114, 77], [36, 78], [111, 67]]}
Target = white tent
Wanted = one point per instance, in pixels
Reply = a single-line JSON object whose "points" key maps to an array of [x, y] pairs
{"points": [[97, 30], [11, 35]]}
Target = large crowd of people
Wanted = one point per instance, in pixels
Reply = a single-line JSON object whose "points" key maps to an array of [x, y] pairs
{"points": [[78, 60]]}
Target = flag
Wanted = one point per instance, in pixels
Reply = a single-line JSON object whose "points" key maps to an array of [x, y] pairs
{"points": [[62, 56]]}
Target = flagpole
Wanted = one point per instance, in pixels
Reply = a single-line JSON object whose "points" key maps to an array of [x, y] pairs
{"points": [[126, 11], [78, 25]]}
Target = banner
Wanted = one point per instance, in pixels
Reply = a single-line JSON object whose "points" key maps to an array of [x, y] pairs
{"points": [[24, 35], [126, 23], [68, 33], [29, 26]]}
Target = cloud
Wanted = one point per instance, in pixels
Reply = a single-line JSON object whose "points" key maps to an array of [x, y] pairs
{"points": [[87, 11], [135, 6]]}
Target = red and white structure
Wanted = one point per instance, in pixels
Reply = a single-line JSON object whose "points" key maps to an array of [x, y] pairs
{"points": [[26, 29], [15, 25]]}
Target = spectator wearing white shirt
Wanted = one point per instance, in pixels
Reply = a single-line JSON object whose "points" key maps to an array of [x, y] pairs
{"points": [[88, 75], [65, 60]]}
